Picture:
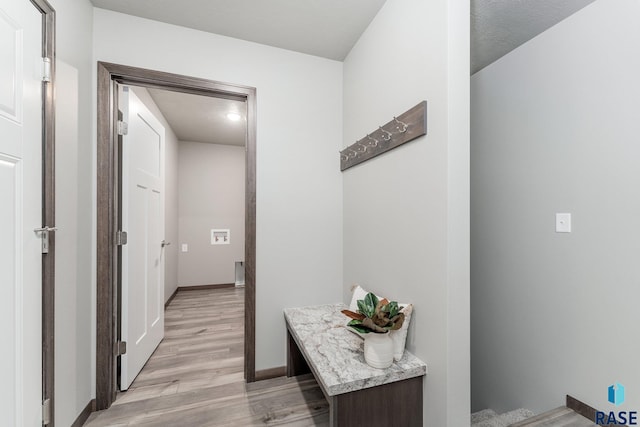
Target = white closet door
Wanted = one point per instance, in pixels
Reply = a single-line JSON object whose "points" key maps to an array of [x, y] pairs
{"points": [[20, 213], [143, 220]]}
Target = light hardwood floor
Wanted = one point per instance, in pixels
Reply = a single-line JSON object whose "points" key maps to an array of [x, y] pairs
{"points": [[559, 417], [195, 376]]}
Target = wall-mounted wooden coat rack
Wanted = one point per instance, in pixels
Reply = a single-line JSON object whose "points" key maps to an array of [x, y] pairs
{"points": [[402, 129]]}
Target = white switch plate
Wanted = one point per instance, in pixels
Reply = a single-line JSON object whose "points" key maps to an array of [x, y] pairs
{"points": [[185, 247], [563, 223]]}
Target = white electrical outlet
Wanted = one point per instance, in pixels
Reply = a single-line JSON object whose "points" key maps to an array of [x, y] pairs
{"points": [[563, 223], [185, 247]]}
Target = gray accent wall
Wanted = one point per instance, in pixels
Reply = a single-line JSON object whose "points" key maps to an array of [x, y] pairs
{"points": [[555, 129], [406, 212], [211, 196]]}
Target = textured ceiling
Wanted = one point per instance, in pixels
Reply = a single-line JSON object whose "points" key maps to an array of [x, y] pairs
{"points": [[326, 28], [330, 28], [202, 118], [499, 26]]}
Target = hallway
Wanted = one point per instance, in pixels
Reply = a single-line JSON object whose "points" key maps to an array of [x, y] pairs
{"points": [[195, 376]]}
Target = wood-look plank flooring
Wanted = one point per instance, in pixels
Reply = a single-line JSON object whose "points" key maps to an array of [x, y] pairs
{"points": [[195, 376], [559, 417]]}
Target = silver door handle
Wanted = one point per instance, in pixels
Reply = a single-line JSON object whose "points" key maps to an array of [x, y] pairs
{"points": [[164, 243], [44, 235], [44, 229]]}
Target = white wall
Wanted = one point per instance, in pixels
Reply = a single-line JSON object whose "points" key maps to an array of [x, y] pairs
{"points": [[74, 214], [299, 192], [416, 196], [171, 194], [171, 216], [211, 195], [555, 129]]}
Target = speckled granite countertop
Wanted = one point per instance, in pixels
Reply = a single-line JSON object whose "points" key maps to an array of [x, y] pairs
{"points": [[337, 355]]}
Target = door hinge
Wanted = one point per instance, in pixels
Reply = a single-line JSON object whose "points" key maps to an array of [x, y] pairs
{"points": [[123, 127], [121, 238], [44, 235], [46, 412], [122, 348], [46, 69]]}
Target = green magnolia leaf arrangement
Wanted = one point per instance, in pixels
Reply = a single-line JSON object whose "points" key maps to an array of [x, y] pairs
{"points": [[375, 315]]}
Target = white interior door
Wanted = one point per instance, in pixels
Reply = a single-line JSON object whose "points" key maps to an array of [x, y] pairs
{"points": [[143, 220], [20, 213]]}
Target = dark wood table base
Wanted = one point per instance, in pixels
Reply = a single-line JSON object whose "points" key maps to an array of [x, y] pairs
{"points": [[396, 404]]}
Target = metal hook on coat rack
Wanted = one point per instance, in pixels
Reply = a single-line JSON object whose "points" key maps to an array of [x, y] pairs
{"points": [[386, 135], [404, 125]]}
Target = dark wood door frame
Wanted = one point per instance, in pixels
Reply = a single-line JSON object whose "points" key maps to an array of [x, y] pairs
{"points": [[107, 205], [48, 206]]}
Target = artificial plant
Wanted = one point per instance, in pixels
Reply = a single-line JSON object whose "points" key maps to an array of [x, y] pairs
{"points": [[375, 315]]}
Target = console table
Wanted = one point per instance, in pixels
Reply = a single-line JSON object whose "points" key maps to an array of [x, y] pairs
{"points": [[319, 342]]}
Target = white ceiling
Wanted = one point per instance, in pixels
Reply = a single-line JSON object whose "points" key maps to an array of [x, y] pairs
{"points": [[326, 28], [202, 118], [499, 26], [330, 28]]}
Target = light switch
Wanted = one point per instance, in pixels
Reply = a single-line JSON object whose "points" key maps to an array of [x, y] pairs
{"points": [[185, 247], [563, 223]]}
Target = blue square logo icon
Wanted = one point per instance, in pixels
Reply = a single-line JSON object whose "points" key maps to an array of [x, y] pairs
{"points": [[616, 394]]}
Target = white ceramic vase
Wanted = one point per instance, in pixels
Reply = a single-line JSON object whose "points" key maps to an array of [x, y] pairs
{"points": [[378, 350]]}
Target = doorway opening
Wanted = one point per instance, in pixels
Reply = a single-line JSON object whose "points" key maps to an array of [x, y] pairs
{"points": [[109, 205]]}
